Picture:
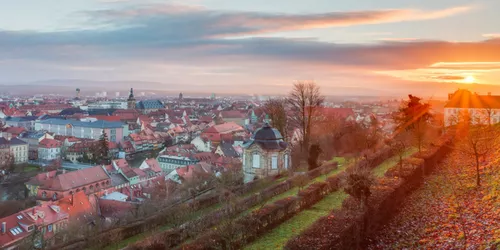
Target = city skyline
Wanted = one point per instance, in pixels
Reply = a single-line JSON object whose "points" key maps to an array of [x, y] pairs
{"points": [[384, 48]]}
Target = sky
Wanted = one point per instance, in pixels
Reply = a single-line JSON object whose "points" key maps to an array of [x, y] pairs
{"points": [[366, 47]]}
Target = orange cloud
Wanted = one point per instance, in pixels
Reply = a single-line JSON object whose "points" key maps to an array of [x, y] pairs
{"points": [[267, 23]]}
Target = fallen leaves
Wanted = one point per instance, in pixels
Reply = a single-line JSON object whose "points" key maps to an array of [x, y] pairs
{"points": [[449, 211]]}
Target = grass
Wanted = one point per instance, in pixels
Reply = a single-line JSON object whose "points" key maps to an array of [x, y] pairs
{"points": [[26, 168], [295, 190], [340, 160], [31, 168], [380, 170], [277, 238]]}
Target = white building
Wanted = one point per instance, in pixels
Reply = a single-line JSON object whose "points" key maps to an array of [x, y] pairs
{"points": [[18, 149], [49, 150], [168, 163], [477, 109], [266, 154], [202, 145]]}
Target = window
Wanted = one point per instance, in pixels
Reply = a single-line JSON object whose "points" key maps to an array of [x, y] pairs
{"points": [[286, 161], [256, 161], [44, 194], [54, 196], [274, 162], [49, 228]]}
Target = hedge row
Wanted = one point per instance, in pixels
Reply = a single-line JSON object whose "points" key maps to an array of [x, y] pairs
{"points": [[156, 220], [272, 215], [350, 227], [248, 228], [173, 237]]}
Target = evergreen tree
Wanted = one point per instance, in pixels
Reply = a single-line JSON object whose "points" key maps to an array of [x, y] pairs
{"points": [[413, 115], [101, 153]]}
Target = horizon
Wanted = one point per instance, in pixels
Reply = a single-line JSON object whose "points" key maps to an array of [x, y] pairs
{"points": [[385, 49]]}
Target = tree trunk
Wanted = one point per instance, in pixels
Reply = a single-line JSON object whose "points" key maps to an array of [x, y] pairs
{"points": [[478, 177]]}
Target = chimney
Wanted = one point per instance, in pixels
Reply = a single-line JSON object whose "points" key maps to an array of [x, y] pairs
{"points": [[47, 174], [4, 227], [73, 199]]}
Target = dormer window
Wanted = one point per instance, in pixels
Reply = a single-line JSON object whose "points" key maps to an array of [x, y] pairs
{"points": [[44, 194]]}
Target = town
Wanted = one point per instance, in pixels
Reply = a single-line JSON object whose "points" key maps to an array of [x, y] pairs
{"points": [[98, 162], [254, 125], [79, 157]]}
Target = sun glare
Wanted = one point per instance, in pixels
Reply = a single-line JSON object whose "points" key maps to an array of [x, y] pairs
{"points": [[469, 79]]}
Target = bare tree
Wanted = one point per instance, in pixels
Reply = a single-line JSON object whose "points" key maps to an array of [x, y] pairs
{"points": [[305, 99], [276, 109], [478, 141], [300, 181], [358, 182], [6, 161], [399, 144]]}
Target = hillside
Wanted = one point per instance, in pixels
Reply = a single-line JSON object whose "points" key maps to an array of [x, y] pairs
{"points": [[449, 211]]}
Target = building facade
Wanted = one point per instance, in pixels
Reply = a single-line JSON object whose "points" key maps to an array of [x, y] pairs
{"points": [[168, 163], [49, 150], [266, 154], [27, 122], [89, 130], [472, 108], [17, 148]]}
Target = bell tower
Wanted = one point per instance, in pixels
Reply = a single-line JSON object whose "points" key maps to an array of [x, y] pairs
{"points": [[131, 100]]}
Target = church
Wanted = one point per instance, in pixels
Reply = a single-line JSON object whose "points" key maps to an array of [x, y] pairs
{"points": [[266, 154]]}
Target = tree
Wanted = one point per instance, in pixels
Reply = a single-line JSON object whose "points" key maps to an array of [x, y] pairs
{"points": [[276, 109], [101, 150], [478, 141], [413, 115], [358, 182], [314, 153], [305, 100], [300, 180], [6, 161], [399, 144]]}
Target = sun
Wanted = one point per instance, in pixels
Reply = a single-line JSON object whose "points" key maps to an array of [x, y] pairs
{"points": [[469, 79]]}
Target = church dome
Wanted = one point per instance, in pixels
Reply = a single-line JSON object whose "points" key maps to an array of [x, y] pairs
{"points": [[267, 138], [267, 133]]}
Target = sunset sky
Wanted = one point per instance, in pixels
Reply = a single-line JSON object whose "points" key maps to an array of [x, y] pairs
{"points": [[383, 47]]}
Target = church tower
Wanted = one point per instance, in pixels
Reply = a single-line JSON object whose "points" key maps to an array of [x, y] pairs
{"points": [[131, 100]]}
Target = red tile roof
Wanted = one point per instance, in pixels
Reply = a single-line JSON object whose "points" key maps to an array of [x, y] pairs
{"points": [[334, 112], [44, 214], [232, 114], [14, 130], [224, 128], [153, 165], [42, 178], [78, 206], [49, 143], [76, 179]]}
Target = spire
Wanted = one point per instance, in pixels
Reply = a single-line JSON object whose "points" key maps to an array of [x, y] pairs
{"points": [[131, 93], [267, 120]]}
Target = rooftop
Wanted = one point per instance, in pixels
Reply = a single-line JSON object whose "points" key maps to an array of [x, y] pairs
{"points": [[95, 124]]}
